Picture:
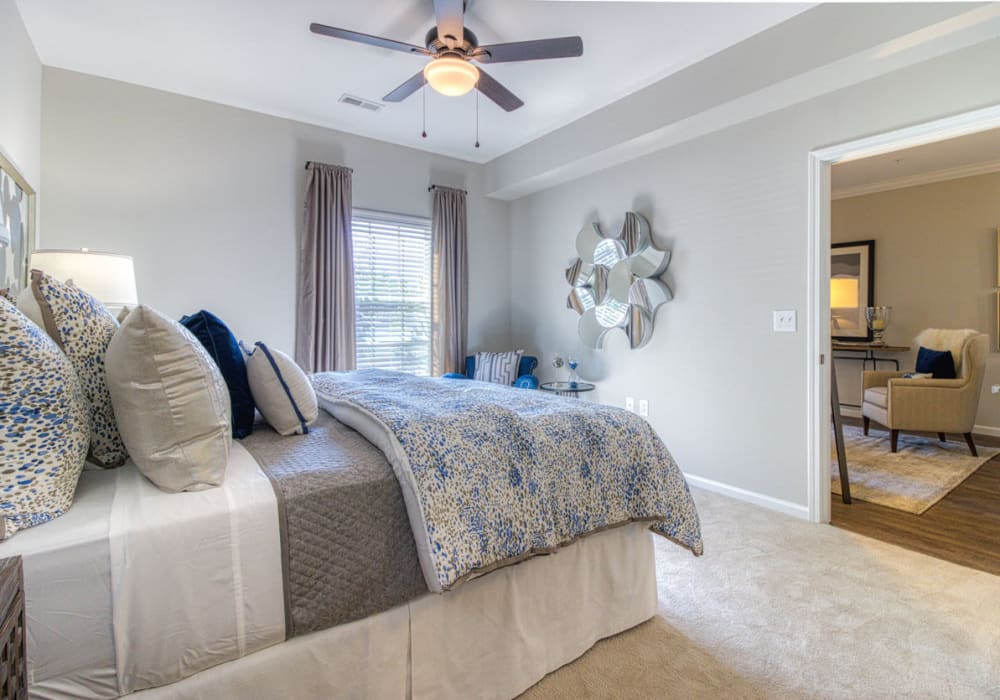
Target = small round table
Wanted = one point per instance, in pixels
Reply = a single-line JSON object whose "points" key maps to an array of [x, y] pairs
{"points": [[573, 389]]}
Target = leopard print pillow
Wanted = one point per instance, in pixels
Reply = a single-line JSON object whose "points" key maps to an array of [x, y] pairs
{"points": [[82, 326], [44, 425], [7, 294]]}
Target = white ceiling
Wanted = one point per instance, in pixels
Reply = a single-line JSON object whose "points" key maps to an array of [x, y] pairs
{"points": [[260, 55], [932, 162]]}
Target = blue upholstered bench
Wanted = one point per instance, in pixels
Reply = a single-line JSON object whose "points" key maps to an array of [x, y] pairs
{"points": [[525, 372]]}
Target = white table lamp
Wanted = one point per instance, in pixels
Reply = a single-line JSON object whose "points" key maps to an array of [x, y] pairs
{"points": [[109, 277]]}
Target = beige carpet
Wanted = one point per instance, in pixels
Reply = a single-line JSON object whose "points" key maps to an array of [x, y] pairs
{"points": [[782, 608], [920, 474]]}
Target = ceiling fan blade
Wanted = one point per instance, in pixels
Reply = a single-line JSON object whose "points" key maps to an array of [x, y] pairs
{"points": [[562, 47], [497, 92], [406, 89], [450, 16], [381, 42]]}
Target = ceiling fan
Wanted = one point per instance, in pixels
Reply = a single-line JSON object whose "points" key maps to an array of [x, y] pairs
{"points": [[452, 48]]}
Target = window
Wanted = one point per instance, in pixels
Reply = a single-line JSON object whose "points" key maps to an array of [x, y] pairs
{"points": [[392, 291]]}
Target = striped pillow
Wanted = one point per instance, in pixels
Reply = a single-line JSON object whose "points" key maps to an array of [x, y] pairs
{"points": [[281, 390], [498, 367]]}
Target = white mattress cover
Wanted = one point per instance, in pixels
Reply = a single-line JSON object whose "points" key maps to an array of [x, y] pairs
{"points": [[96, 634], [493, 637], [135, 587], [67, 587]]}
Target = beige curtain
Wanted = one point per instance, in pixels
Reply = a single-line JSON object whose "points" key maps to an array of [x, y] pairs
{"points": [[450, 304], [324, 328]]}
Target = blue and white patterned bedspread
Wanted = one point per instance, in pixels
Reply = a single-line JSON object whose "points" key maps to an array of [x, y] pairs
{"points": [[492, 475]]}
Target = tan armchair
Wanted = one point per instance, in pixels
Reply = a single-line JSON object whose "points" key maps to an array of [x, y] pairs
{"points": [[939, 406]]}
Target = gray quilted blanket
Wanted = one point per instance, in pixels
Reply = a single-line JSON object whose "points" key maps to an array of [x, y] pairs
{"points": [[492, 475], [347, 548]]}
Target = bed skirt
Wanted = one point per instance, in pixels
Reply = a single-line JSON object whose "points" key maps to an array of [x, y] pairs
{"points": [[494, 637]]}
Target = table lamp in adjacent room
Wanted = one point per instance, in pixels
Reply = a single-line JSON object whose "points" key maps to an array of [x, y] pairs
{"points": [[843, 295], [109, 277]]}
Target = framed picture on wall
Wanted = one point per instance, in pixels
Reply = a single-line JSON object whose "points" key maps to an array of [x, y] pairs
{"points": [[17, 226], [852, 289]]}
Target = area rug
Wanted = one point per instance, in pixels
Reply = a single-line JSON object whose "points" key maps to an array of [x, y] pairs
{"points": [[920, 474]]}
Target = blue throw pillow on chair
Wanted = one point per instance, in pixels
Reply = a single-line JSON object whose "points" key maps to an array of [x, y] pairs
{"points": [[222, 345], [939, 363]]}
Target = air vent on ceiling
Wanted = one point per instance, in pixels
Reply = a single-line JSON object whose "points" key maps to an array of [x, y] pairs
{"points": [[360, 102]]}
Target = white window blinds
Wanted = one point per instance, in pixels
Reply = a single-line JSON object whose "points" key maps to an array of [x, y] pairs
{"points": [[392, 291]]}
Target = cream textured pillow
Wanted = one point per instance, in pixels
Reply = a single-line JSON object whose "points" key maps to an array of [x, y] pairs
{"points": [[171, 401], [44, 425], [82, 326], [281, 390]]}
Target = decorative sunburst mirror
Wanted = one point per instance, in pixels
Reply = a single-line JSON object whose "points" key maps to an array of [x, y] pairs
{"points": [[615, 282]]}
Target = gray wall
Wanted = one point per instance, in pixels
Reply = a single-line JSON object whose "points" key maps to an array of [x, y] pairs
{"points": [[208, 200], [726, 393], [20, 95], [935, 265]]}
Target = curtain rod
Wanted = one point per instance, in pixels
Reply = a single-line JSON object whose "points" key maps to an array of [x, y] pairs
{"points": [[442, 187], [312, 162]]}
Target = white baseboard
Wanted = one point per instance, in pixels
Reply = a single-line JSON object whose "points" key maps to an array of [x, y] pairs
{"points": [[990, 430], [758, 499]]}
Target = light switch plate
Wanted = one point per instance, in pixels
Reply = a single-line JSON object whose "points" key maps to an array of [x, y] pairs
{"points": [[629, 404], [643, 407], [785, 321]]}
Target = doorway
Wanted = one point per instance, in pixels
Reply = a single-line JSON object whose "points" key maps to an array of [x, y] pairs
{"points": [[818, 329]]}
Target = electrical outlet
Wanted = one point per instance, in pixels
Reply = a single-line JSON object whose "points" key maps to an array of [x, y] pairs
{"points": [[630, 404], [785, 321], [996, 388], [643, 407]]}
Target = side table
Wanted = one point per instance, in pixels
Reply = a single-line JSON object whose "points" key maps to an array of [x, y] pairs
{"points": [[13, 657], [573, 389]]}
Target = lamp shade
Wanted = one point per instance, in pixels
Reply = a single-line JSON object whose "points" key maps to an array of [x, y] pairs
{"points": [[107, 276], [451, 76], [843, 293]]}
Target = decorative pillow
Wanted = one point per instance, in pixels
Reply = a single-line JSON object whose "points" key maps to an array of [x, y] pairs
{"points": [[225, 350], [9, 295], [82, 326], [498, 367], [281, 390], [171, 402], [44, 425], [939, 363], [946, 339]]}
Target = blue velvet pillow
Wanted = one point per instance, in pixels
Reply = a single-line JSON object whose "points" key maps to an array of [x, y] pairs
{"points": [[222, 345], [939, 363]]}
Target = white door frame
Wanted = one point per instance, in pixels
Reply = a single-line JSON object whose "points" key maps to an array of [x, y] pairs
{"points": [[818, 326]]}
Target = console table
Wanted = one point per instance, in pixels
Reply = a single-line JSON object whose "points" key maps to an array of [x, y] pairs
{"points": [[866, 352]]}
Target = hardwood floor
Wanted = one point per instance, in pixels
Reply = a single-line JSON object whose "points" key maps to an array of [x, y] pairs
{"points": [[963, 528]]}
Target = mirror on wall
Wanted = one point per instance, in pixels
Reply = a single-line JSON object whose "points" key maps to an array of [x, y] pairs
{"points": [[615, 282]]}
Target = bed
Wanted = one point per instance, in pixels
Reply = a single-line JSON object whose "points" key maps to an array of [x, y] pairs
{"points": [[204, 594]]}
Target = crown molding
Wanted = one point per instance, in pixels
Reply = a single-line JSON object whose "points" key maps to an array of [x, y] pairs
{"points": [[898, 183]]}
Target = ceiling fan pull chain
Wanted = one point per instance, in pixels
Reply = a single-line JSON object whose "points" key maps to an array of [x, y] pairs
{"points": [[477, 118], [423, 94]]}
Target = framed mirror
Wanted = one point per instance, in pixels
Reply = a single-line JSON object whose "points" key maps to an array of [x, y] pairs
{"points": [[852, 289], [615, 282]]}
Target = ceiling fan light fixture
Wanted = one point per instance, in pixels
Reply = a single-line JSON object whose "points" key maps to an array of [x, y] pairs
{"points": [[451, 76]]}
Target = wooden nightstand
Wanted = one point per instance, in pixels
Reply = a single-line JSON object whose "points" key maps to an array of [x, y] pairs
{"points": [[13, 659]]}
